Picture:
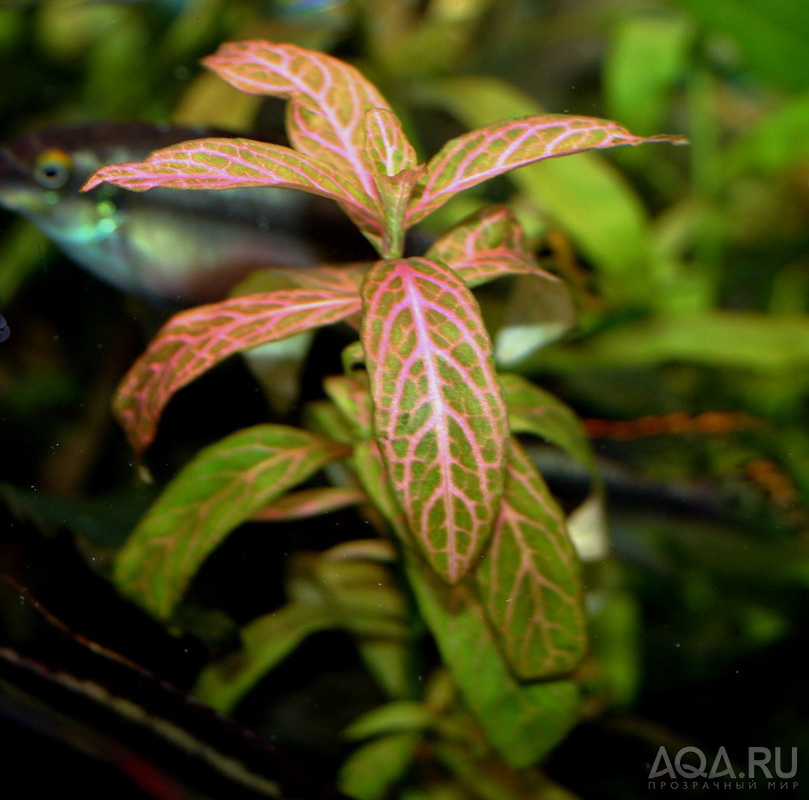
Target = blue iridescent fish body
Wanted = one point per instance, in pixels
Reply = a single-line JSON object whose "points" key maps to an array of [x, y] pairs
{"points": [[168, 246]]}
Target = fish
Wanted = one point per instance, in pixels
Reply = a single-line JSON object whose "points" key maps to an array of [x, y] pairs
{"points": [[5, 331], [69, 676], [169, 247]]}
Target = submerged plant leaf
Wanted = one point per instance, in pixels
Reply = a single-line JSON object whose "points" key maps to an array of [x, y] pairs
{"points": [[530, 577], [387, 149], [487, 245], [329, 99], [310, 503], [503, 146], [535, 411], [266, 641], [439, 414], [352, 398], [345, 278], [373, 768], [225, 485], [238, 163], [524, 721], [193, 341]]}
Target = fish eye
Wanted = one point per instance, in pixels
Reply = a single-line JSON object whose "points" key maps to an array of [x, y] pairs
{"points": [[52, 169]]}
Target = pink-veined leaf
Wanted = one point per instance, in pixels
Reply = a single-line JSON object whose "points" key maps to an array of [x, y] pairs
{"points": [[193, 341], [439, 414], [491, 229], [486, 245], [310, 503], [329, 98], [387, 149], [345, 278], [392, 161], [524, 721], [503, 146], [530, 577], [237, 163], [222, 487]]}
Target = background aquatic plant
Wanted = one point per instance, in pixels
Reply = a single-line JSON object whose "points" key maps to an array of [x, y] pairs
{"points": [[687, 272]]}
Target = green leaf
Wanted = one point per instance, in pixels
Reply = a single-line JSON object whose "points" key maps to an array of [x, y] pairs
{"points": [[266, 642], [486, 245], [585, 196], [535, 411], [439, 415], [524, 721], [530, 578], [329, 99], [345, 278], [770, 34], [401, 715], [193, 341], [647, 58], [765, 343], [352, 398], [236, 163], [392, 161], [310, 503], [371, 770], [387, 150], [503, 146], [779, 141], [225, 485]]}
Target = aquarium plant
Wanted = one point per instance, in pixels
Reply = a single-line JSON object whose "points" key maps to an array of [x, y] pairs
{"points": [[419, 433]]}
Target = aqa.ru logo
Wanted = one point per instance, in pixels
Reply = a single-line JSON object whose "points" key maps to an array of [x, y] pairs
{"points": [[683, 772]]}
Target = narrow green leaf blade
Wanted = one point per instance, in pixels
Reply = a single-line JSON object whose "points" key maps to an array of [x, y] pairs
{"points": [[225, 485], [648, 55], [503, 146], [193, 341], [329, 98], [372, 769], [439, 415], [530, 578], [266, 641], [238, 163]]}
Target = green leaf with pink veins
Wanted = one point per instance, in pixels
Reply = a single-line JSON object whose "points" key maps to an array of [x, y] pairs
{"points": [[439, 414], [193, 341], [392, 161], [524, 721], [225, 485], [530, 578], [238, 163], [503, 146], [345, 278], [329, 99], [487, 245]]}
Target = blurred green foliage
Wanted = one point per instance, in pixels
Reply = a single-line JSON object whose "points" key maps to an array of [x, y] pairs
{"points": [[690, 269]]}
